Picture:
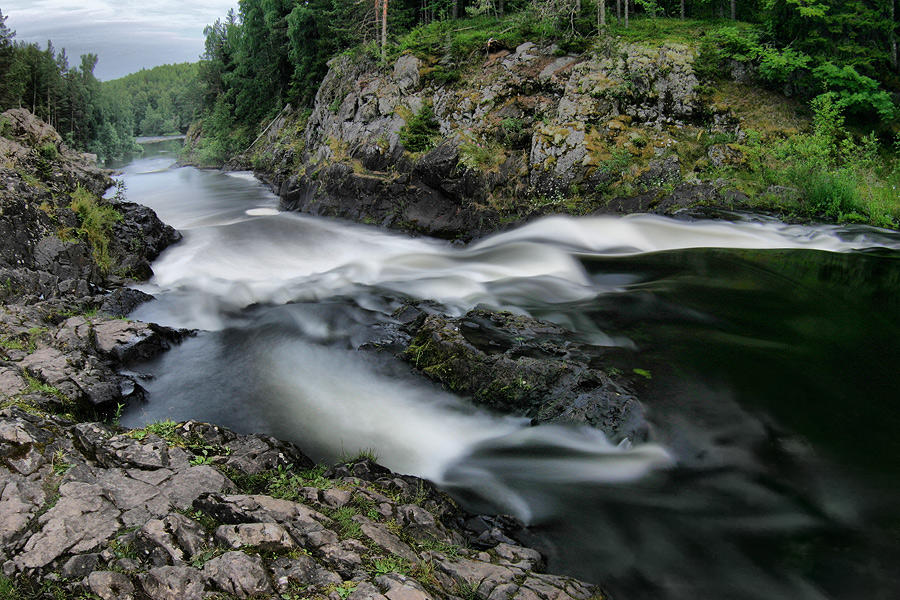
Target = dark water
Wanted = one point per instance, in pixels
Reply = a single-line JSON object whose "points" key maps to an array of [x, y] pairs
{"points": [[765, 354]]}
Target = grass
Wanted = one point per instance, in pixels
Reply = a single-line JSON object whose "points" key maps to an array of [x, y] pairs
{"points": [[95, 225], [459, 39]]}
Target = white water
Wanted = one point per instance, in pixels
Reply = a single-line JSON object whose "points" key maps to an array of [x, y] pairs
{"points": [[260, 256], [283, 300]]}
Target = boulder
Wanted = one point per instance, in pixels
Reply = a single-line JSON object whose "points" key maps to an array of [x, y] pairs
{"points": [[523, 366]]}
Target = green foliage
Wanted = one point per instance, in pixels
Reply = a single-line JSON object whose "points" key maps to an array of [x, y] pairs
{"points": [[780, 66], [347, 527], [384, 565], [362, 454], [838, 175], [95, 225], [854, 92], [285, 484], [420, 132], [480, 155], [163, 100], [5, 128], [48, 151]]}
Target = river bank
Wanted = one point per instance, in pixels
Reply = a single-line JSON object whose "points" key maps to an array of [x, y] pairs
{"points": [[91, 509], [747, 342]]}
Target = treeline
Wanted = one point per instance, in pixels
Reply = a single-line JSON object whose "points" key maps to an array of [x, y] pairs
{"points": [[102, 118], [272, 52], [68, 97], [164, 100]]}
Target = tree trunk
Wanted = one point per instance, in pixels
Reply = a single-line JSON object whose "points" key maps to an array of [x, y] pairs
{"points": [[455, 9], [682, 10], [619, 12], [384, 6], [734, 10], [601, 14], [626, 14], [894, 59]]}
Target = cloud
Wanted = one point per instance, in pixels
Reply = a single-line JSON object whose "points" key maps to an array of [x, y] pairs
{"points": [[127, 35]]}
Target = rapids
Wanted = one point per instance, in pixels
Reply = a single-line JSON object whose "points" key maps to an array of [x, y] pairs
{"points": [[765, 354]]}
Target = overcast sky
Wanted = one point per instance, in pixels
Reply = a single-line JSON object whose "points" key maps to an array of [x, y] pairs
{"points": [[127, 35]]}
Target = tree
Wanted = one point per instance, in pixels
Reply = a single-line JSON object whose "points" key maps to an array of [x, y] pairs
{"points": [[7, 59]]}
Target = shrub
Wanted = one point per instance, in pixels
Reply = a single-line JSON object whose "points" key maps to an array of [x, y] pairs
{"points": [[48, 151], [96, 223], [421, 130]]}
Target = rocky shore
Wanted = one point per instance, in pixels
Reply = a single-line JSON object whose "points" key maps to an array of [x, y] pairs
{"points": [[89, 509]]}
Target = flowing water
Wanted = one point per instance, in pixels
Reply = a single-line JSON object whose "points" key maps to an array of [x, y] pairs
{"points": [[766, 356]]}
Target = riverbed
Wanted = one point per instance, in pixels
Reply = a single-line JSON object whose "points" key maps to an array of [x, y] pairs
{"points": [[765, 354]]}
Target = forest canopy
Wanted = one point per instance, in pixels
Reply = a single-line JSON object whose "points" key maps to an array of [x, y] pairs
{"points": [[272, 52]]}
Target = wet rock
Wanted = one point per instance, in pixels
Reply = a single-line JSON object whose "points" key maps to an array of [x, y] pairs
{"points": [[126, 342], [121, 302], [523, 366]]}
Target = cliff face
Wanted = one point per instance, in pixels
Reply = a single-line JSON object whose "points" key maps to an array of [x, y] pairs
{"points": [[52, 243], [524, 131]]}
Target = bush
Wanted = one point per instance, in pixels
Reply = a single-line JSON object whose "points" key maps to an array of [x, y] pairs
{"points": [[96, 225], [421, 130]]}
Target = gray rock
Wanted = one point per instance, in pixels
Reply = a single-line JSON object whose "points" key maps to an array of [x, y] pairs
{"points": [[177, 538], [384, 539], [268, 537], [480, 576], [81, 521], [406, 73], [344, 557], [173, 583], [109, 585], [80, 565], [301, 571], [401, 587], [366, 591], [238, 574]]}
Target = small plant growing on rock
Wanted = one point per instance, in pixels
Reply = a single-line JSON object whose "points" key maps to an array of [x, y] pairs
{"points": [[480, 156], [421, 130], [96, 225]]}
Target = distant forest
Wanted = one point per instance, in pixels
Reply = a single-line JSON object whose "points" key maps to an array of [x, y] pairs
{"points": [[102, 118]]}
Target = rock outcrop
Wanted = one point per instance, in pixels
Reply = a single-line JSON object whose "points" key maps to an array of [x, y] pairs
{"points": [[521, 365], [191, 510], [526, 132], [45, 249]]}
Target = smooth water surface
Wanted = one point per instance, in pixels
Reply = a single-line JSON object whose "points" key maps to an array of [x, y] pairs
{"points": [[764, 353]]}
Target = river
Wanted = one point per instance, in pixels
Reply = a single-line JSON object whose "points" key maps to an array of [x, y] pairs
{"points": [[766, 355]]}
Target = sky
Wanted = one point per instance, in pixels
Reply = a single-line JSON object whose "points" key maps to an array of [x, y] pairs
{"points": [[127, 35]]}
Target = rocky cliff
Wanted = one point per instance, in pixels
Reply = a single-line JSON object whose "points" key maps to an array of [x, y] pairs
{"points": [[525, 131]]}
